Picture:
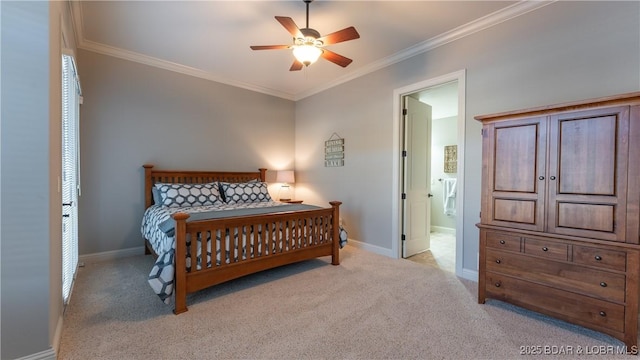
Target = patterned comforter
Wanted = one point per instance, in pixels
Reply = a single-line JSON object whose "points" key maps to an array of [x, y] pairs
{"points": [[157, 227]]}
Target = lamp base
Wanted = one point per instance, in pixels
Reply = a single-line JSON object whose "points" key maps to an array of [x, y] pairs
{"points": [[285, 193]]}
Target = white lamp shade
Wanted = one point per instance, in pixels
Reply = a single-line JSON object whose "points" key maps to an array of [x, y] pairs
{"points": [[285, 176], [307, 54]]}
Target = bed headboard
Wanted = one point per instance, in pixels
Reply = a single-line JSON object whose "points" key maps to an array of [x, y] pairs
{"points": [[152, 176]]}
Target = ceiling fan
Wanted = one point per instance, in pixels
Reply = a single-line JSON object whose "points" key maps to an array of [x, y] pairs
{"points": [[308, 45]]}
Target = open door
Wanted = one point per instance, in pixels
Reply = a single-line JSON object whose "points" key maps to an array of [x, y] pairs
{"points": [[416, 193]]}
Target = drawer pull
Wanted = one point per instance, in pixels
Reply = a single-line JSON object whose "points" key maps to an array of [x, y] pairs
{"points": [[541, 177], [545, 248], [498, 261], [603, 284], [598, 257], [502, 242], [498, 284], [602, 313]]}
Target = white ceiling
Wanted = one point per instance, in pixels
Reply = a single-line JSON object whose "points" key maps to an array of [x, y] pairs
{"points": [[211, 39]]}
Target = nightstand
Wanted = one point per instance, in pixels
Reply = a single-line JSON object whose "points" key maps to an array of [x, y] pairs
{"points": [[292, 201]]}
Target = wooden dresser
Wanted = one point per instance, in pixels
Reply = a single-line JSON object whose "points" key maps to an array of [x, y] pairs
{"points": [[559, 230]]}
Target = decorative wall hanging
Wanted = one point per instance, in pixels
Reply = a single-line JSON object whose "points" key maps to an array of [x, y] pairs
{"points": [[334, 151], [451, 159]]}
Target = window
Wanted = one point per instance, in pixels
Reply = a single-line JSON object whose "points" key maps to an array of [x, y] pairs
{"points": [[70, 172]]}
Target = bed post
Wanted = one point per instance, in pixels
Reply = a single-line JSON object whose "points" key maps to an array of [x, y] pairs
{"points": [[335, 253], [180, 260], [148, 183], [263, 174]]}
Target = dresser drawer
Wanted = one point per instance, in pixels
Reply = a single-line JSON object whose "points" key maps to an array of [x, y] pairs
{"points": [[503, 241], [546, 249], [562, 304], [603, 258], [560, 275]]}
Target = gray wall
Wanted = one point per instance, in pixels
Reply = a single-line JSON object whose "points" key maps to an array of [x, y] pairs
{"points": [[30, 217], [25, 178], [135, 114], [562, 52]]}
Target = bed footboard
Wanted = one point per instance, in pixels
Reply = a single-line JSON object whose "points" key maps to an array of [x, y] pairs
{"points": [[211, 252]]}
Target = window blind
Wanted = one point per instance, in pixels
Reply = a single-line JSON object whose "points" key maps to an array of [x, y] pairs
{"points": [[70, 172]]}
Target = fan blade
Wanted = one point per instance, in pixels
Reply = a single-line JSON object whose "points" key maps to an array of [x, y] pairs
{"points": [[296, 66], [268, 47], [335, 58], [346, 34], [290, 25]]}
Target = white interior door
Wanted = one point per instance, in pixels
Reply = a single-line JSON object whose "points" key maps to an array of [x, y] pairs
{"points": [[417, 175]]}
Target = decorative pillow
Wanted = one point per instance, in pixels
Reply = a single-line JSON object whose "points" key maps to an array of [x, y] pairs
{"points": [[221, 187], [244, 193], [183, 195], [156, 195]]}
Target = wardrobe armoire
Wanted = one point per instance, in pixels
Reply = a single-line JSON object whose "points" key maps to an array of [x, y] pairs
{"points": [[559, 217]]}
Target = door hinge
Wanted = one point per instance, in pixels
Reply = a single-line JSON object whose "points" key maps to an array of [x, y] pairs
{"points": [[404, 111], [403, 237], [404, 196], [404, 153], [482, 132]]}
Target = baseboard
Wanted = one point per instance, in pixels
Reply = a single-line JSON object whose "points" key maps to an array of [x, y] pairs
{"points": [[442, 229], [110, 255], [48, 354], [58, 334], [470, 274], [373, 248]]}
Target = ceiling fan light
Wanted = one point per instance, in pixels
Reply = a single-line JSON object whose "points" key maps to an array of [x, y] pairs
{"points": [[307, 54]]}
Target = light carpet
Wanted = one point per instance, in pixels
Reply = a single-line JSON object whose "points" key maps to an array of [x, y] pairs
{"points": [[369, 307]]}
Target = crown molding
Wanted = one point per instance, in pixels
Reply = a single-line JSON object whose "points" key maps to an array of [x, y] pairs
{"points": [[175, 67], [495, 18], [82, 43], [520, 8]]}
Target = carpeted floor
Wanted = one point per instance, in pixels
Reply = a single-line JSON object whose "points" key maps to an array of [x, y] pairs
{"points": [[369, 307]]}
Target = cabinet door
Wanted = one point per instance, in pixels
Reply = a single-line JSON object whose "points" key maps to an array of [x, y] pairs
{"points": [[588, 152], [514, 163]]}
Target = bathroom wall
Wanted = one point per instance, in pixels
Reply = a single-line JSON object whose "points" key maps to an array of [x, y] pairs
{"points": [[443, 133]]}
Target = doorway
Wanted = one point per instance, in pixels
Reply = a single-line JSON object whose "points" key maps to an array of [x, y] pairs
{"points": [[440, 175]]}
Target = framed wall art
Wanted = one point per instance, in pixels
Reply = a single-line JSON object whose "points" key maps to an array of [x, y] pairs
{"points": [[451, 159], [334, 151]]}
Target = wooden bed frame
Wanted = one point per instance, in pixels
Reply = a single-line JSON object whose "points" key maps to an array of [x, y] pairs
{"points": [[319, 230]]}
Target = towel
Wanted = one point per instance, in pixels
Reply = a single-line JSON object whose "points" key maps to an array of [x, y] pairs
{"points": [[449, 196]]}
